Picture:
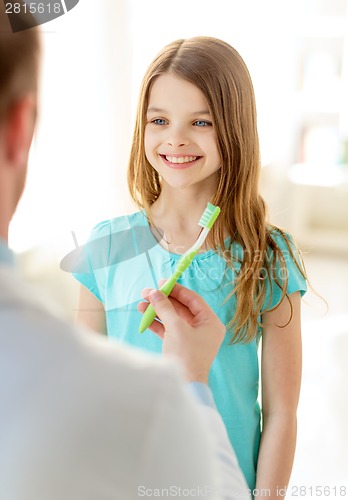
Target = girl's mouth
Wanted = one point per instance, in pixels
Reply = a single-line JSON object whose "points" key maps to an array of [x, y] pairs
{"points": [[180, 162]]}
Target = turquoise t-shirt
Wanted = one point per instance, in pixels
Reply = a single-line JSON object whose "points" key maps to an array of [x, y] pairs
{"points": [[122, 257]]}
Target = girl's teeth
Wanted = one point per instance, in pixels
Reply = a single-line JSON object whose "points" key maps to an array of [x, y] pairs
{"points": [[180, 159]]}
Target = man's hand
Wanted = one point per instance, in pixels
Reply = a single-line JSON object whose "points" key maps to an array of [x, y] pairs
{"points": [[190, 329]]}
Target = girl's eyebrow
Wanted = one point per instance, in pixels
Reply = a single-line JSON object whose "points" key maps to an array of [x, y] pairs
{"points": [[159, 110]]}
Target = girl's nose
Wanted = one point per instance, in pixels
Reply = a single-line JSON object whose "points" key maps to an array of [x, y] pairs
{"points": [[176, 144], [177, 138]]}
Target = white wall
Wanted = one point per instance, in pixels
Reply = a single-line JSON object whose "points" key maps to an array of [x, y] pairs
{"points": [[77, 167]]}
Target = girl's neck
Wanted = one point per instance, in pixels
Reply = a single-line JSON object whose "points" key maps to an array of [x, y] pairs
{"points": [[177, 215], [179, 209]]}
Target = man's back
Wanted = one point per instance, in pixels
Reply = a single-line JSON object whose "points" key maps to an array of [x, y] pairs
{"points": [[120, 424]]}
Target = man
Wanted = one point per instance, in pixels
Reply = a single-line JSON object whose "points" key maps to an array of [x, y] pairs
{"points": [[81, 418]]}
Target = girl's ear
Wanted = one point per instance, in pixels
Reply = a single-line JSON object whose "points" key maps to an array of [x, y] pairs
{"points": [[19, 130]]}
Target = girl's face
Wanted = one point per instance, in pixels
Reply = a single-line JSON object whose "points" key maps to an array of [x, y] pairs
{"points": [[180, 139]]}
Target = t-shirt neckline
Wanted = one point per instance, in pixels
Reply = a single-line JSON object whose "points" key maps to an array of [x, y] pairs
{"points": [[173, 255]]}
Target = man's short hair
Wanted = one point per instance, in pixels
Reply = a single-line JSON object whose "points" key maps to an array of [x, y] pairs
{"points": [[19, 59]]}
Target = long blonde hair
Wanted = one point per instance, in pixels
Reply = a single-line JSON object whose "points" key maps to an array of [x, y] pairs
{"points": [[220, 73]]}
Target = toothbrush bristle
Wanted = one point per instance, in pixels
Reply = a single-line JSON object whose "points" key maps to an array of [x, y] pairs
{"points": [[209, 216]]}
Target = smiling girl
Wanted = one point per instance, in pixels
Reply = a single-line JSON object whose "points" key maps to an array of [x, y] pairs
{"points": [[196, 141]]}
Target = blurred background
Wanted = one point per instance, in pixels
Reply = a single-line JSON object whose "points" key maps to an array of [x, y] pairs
{"points": [[297, 54]]}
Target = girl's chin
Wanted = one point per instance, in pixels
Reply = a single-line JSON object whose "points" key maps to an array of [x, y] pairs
{"points": [[183, 184], [176, 183]]}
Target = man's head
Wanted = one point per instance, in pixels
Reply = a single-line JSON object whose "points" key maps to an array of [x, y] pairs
{"points": [[19, 66]]}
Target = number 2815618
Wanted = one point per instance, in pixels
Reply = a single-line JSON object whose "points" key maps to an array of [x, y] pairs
{"points": [[33, 8]]}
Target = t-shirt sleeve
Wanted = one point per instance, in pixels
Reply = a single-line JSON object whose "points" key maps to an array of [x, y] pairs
{"points": [[90, 263], [291, 276]]}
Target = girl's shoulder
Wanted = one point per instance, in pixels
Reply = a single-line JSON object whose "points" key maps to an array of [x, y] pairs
{"points": [[283, 240], [277, 240], [108, 227], [284, 259], [283, 248]]}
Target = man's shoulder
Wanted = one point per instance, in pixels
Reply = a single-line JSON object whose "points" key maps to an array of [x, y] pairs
{"points": [[16, 293], [28, 319], [100, 402]]}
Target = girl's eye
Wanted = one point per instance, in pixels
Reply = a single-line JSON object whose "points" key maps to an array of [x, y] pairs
{"points": [[159, 121], [202, 123]]}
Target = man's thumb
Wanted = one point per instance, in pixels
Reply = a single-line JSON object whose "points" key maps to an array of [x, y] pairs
{"points": [[164, 309]]}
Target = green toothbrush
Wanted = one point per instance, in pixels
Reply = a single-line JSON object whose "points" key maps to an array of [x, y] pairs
{"points": [[207, 220]]}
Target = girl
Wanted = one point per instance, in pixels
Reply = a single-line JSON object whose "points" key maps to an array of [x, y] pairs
{"points": [[195, 141]]}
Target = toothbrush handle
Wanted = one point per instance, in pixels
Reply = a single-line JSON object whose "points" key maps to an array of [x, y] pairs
{"points": [[150, 314], [148, 317]]}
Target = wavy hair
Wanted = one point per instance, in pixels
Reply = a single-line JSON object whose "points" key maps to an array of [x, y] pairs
{"points": [[220, 73]]}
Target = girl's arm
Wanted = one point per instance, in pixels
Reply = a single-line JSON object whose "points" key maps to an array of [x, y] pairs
{"points": [[90, 311], [281, 365]]}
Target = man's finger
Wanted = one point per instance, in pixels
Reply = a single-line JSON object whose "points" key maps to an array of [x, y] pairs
{"points": [[163, 308], [181, 310], [157, 328], [191, 300], [146, 292]]}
